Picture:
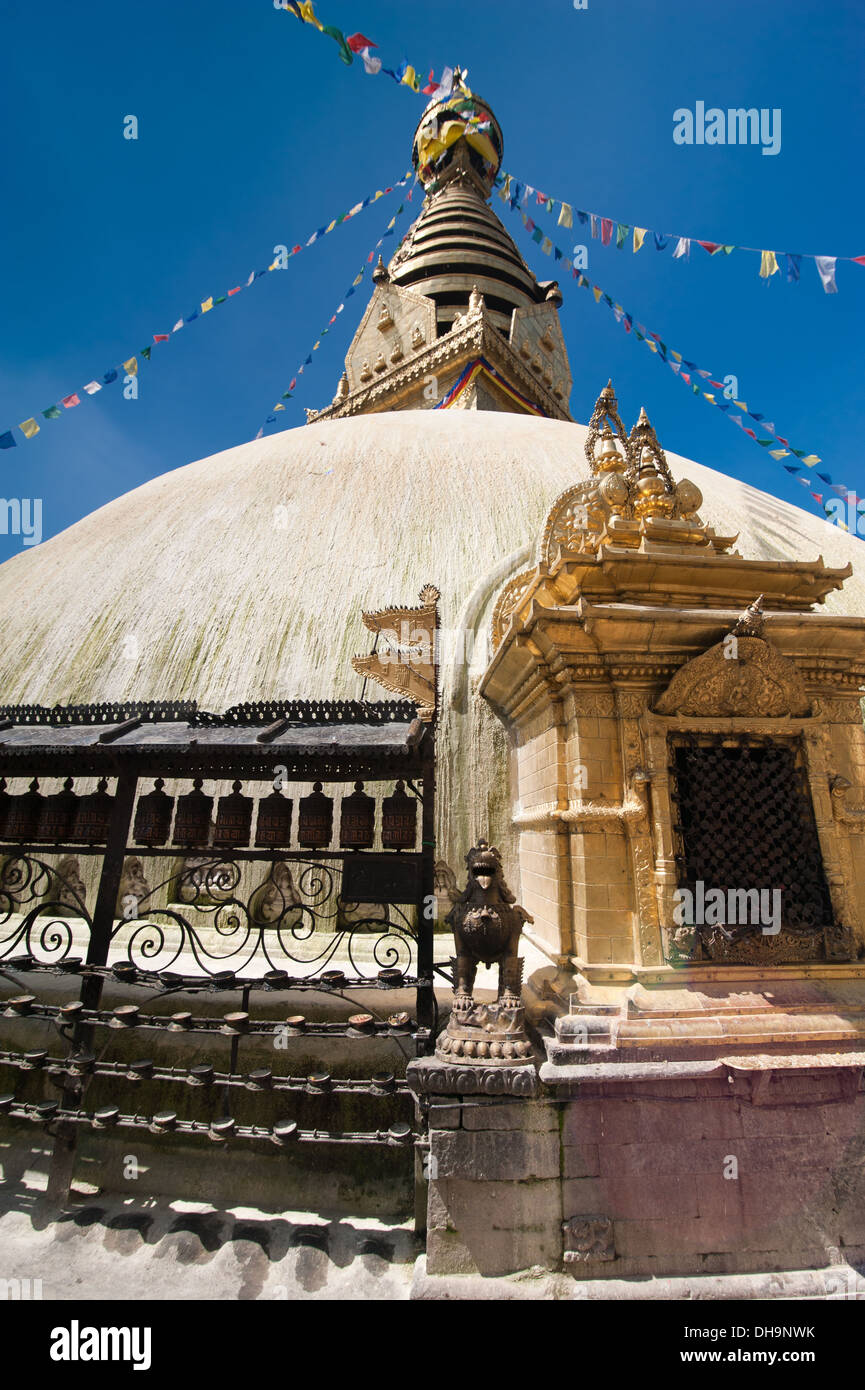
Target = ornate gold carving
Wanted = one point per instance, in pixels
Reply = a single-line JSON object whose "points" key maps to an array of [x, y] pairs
{"points": [[605, 419], [756, 681], [853, 817], [650, 464], [507, 601]]}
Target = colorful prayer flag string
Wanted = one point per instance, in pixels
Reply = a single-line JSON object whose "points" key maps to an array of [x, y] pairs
{"points": [[287, 395], [30, 428], [686, 370], [604, 228], [405, 75]]}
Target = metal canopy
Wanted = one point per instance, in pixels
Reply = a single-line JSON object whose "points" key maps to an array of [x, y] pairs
{"points": [[337, 739]]}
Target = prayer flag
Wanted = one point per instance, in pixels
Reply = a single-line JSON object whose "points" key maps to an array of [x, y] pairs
{"points": [[621, 234], [660, 241], [357, 43], [547, 246], [28, 428], [109, 377], [371, 65], [157, 338], [683, 248], [768, 264], [710, 246], [826, 270], [92, 387], [52, 413], [6, 440], [308, 14], [606, 230], [566, 216], [792, 263], [639, 237], [131, 366], [338, 36], [70, 401]]}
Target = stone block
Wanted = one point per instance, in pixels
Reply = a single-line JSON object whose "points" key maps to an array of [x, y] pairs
{"points": [[849, 1185], [494, 1155], [689, 1119], [444, 1116], [790, 1154], [601, 1121], [580, 1161], [493, 1228], [683, 1156], [492, 1253], [842, 1120], [529, 1116], [584, 1197], [663, 1240]]}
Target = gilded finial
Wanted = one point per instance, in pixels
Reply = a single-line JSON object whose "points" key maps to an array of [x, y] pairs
{"points": [[606, 426]]}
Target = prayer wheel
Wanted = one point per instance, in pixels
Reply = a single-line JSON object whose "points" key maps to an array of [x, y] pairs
{"points": [[192, 822], [399, 819], [315, 819], [357, 820], [273, 827], [153, 816], [93, 816], [233, 819]]}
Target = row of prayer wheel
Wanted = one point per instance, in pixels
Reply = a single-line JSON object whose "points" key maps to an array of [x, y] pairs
{"points": [[65, 818], [193, 819]]}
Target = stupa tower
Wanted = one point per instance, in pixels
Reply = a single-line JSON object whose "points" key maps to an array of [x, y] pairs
{"points": [[457, 319]]}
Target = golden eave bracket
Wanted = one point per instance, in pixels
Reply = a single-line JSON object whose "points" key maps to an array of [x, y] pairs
{"points": [[405, 657]]}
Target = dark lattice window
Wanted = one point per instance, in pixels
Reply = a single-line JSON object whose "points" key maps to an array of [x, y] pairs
{"points": [[744, 819]]}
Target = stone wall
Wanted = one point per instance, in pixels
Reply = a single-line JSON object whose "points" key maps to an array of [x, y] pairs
{"points": [[626, 1178]]}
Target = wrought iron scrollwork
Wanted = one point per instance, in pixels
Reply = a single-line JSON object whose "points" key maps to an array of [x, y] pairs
{"points": [[40, 922], [298, 902]]}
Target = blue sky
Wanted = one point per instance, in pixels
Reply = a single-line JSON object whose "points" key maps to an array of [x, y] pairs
{"points": [[253, 133]]}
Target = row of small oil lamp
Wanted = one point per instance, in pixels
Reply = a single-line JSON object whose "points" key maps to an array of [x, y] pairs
{"points": [[65, 818]]}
